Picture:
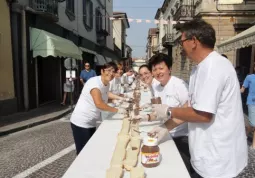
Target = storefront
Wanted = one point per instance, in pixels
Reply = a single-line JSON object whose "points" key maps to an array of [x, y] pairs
{"points": [[244, 46], [49, 52]]}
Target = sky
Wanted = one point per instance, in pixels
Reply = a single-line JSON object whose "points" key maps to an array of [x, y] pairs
{"points": [[138, 32]]}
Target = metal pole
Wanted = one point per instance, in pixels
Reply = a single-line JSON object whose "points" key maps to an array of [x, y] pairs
{"points": [[71, 94], [24, 60]]}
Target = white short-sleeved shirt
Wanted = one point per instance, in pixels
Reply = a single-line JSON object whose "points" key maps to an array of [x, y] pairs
{"points": [[218, 149], [115, 85], [86, 113], [174, 94]]}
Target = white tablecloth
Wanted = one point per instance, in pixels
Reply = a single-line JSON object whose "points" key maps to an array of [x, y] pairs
{"points": [[95, 158]]}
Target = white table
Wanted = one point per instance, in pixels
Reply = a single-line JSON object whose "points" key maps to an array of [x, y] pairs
{"points": [[95, 158]]}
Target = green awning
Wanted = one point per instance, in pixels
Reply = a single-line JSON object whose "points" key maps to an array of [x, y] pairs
{"points": [[44, 44]]}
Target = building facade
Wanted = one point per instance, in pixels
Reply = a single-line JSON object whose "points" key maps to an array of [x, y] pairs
{"points": [[227, 20], [8, 100], [45, 33], [152, 42], [120, 26]]}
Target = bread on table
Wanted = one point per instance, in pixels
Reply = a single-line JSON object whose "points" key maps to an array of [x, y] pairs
{"points": [[114, 172], [137, 172]]}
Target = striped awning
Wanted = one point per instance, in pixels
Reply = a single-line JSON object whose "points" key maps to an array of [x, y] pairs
{"points": [[241, 40]]}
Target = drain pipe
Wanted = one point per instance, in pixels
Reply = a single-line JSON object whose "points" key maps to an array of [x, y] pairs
{"points": [[24, 59]]}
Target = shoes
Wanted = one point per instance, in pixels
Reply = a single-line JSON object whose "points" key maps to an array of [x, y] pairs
{"points": [[63, 104]]}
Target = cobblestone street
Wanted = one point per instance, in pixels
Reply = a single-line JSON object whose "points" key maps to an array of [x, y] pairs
{"points": [[35, 152], [23, 150]]}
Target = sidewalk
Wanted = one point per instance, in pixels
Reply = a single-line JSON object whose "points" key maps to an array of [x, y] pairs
{"points": [[20, 121]]}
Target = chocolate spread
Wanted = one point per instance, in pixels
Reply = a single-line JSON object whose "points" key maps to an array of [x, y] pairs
{"points": [[150, 153]]}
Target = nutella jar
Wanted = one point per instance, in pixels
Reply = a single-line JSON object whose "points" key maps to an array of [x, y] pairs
{"points": [[150, 155]]}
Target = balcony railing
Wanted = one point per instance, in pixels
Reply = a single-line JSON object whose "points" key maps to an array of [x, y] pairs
{"points": [[155, 48], [47, 7], [184, 12], [168, 40]]}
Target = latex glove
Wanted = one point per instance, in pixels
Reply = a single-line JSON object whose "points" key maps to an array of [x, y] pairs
{"points": [[122, 111], [146, 105], [143, 117], [161, 132], [161, 111]]}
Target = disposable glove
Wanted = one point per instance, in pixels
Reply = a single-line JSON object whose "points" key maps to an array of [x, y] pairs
{"points": [[143, 117], [161, 111], [122, 111], [161, 132]]}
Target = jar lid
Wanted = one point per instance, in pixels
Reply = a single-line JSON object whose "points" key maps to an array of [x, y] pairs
{"points": [[150, 141]]}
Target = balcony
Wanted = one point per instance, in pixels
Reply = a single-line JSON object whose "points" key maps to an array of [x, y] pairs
{"points": [[184, 13], [46, 8], [168, 40], [155, 49]]}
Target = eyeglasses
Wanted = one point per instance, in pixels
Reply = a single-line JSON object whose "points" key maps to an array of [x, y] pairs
{"points": [[111, 71], [182, 41]]}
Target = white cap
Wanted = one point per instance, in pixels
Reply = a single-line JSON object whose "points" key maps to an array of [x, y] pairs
{"points": [[150, 141]]}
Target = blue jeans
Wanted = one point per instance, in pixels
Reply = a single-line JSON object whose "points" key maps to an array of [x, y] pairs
{"points": [[251, 110]]}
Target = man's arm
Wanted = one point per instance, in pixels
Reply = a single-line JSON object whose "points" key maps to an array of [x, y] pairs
{"points": [[242, 89], [174, 122], [82, 82], [191, 115]]}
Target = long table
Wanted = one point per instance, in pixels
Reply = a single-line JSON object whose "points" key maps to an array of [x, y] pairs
{"points": [[95, 158]]}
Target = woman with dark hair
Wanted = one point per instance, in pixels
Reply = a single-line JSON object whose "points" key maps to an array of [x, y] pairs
{"points": [[147, 77], [173, 93], [249, 83], [93, 99]]}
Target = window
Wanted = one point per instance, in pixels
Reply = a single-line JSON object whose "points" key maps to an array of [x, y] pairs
{"points": [[99, 20], [88, 14], [109, 25], [70, 9]]}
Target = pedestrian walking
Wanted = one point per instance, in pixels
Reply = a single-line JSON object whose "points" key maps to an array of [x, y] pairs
{"points": [[217, 140], [87, 73], [249, 83]]}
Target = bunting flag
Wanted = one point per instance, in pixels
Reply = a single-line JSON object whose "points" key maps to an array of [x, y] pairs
{"points": [[138, 20], [148, 21]]}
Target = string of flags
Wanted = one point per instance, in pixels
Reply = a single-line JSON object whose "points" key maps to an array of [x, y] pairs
{"points": [[130, 20]]}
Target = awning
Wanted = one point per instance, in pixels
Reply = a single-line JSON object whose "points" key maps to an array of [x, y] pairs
{"points": [[99, 60], [241, 40], [230, 1], [108, 59], [88, 51], [44, 44]]}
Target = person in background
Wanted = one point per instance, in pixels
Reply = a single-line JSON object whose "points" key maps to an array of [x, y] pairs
{"points": [[217, 140], [92, 101], [249, 83], [87, 73], [147, 78], [116, 82], [68, 88]]}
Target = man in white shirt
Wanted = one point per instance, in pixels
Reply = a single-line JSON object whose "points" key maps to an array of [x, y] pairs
{"points": [[217, 139]]}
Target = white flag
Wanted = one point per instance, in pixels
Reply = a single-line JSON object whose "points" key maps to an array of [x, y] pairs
{"points": [[148, 21], [230, 1], [130, 20], [138, 20], [156, 22]]}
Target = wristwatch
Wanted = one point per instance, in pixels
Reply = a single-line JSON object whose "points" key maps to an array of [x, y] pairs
{"points": [[169, 113]]}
